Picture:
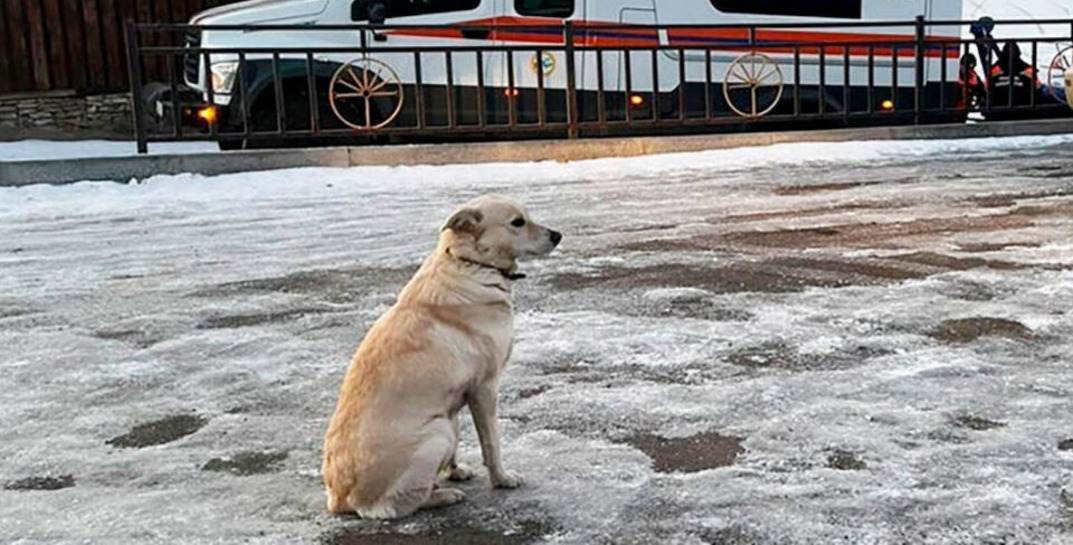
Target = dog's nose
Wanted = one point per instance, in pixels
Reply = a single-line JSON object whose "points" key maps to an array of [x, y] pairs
{"points": [[556, 237]]}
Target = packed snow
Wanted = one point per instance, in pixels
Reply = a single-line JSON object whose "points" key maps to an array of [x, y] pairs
{"points": [[866, 342]]}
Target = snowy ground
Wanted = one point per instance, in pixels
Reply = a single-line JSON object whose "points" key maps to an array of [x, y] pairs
{"points": [[813, 343]]}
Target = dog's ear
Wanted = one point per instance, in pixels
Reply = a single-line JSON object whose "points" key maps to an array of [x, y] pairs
{"points": [[467, 220]]}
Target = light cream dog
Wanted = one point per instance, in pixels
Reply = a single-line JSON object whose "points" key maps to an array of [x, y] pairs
{"points": [[441, 347]]}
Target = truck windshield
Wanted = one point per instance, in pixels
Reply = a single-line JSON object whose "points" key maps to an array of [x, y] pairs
{"points": [[545, 8], [837, 9]]}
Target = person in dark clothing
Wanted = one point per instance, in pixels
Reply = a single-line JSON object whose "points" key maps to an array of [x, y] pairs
{"points": [[1010, 74], [975, 88]]}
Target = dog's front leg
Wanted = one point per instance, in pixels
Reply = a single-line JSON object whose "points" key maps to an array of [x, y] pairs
{"points": [[482, 405]]}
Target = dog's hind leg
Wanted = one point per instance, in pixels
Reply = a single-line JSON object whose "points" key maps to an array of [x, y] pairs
{"points": [[416, 487]]}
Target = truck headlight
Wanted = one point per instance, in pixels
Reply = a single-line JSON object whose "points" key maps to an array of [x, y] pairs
{"points": [[223, 77]]}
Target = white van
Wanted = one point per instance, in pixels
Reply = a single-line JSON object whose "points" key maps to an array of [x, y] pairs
{"points": [[752, 72]]}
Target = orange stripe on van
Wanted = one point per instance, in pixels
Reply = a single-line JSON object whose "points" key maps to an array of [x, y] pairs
{"points": [[541, 30]]}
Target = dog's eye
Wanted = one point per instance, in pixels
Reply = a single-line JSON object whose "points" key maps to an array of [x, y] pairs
{"points": [[520, 222]]}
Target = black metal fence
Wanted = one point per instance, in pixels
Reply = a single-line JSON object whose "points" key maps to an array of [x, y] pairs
{"points": [[265, 87]]}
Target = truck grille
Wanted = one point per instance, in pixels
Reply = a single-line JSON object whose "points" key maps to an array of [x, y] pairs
{"points": [[192, 61]]}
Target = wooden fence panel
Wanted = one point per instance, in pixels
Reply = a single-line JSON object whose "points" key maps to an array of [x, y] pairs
{"points": [[5, 54], [77, 57], [79, 45]]}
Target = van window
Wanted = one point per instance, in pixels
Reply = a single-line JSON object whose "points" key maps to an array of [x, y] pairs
{"points": [[409, 8], [545, 8], [837, 9]]}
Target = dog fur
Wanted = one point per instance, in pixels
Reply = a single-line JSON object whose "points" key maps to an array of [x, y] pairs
{"points": [[441, 347]]}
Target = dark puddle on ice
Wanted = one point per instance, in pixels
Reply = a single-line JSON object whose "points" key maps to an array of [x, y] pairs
{"points": [[775, 274], [1066, 445], [247, 463], [730, 535], [984, 247], [845, 460], [790, 190], [159, 432], [525, 533], [779, 355], [977, 423], [702, 451], [337, 285], [258, 318], [41, 483], [15, 312], [965, 330], [139, 338]]}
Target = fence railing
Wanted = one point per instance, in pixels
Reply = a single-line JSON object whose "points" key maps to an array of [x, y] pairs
{"points": [[271, 85]]}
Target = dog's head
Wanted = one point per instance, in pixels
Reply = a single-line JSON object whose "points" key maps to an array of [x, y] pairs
{"points": [[495, 232]]}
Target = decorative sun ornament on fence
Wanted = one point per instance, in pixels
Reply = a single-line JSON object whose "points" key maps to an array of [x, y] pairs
{"points": [[366, 94], [753, 85]]}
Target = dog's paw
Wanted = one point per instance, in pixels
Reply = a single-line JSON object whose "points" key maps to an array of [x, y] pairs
{"points": [[460, 473], [506, 479], [442, 497]]}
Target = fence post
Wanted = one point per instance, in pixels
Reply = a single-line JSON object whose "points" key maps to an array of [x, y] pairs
{"points": [[571, 80], [134, 66], [918, 84]]}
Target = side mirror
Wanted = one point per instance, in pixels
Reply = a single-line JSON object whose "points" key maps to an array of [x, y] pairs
{"points": [[359, 10], [368, 10], [377, 13]]}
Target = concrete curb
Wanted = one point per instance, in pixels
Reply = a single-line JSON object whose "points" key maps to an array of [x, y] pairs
{"points": [[19, 173]]}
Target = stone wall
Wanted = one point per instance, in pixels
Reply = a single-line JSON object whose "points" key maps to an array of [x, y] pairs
{"points": [[108, 114]]}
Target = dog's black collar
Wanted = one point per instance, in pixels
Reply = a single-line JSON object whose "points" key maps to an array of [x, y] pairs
{"points": [[512, 276]]}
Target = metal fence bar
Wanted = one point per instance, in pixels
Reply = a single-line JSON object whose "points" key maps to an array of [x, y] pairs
{"points": [[1035, 63], [541, 101], [845, 82], [176, 106], [450, 67], [871, 79], [419, 92], [512, 116], [242, 95], [311, 88], [823, 79], [708, 84], [918, 81], [134, 67], [942, 76], [601, 97], [627, 59], [681, 84], [1011, 77], [797, 80], [210, 92], [894, 76], [572, 108], [655, 85], [277, 83], [480, 89]]}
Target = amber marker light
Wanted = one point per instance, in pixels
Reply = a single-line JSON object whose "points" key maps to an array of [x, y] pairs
{"points": [[208, 114], [637, 101], [887, 105]]}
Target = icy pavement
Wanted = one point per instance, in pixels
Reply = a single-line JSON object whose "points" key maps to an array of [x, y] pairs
{"points": [[29, 150], [862, 343]]}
